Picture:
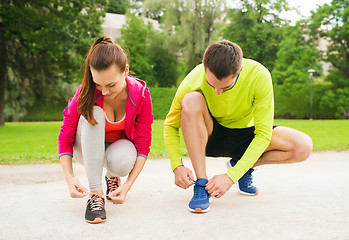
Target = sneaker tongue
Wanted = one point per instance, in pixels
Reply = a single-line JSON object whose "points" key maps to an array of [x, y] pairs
{"points": [[201, 182]]}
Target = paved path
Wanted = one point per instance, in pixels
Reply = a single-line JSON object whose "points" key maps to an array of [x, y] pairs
{"points": [[308, 200]]}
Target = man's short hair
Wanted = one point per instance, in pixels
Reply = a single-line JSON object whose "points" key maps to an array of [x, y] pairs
{"points": [[223, 58]]}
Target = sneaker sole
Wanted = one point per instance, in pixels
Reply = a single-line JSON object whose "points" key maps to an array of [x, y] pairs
{"points": [[199, 210], [97, 220], [248, 194], [245, 193]]}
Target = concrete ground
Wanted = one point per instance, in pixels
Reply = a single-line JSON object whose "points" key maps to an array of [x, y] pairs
{"points": [[307, 200]]}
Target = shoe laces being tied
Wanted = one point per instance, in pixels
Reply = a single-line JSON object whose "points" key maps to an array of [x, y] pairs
{"points": [[96, 202], [199, 191], [113, 183]]}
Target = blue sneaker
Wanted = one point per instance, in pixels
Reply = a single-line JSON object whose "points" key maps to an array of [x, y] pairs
{"points": [[200, 203], [244, 184]]}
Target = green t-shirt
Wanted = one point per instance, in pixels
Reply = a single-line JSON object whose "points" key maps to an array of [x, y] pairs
{"points": [[249, 103]]}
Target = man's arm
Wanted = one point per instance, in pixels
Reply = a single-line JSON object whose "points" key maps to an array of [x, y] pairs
{"points": [[263, 121]]}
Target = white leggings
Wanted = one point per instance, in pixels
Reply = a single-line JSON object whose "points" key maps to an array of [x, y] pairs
{"points": [[91, 150]]}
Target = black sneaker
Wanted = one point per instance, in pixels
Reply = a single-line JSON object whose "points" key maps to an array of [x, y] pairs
{"points": [[112, 185], [95, 211]]}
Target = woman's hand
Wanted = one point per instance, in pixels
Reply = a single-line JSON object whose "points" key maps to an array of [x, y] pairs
{"points": [[118, 196], [76, 189]]}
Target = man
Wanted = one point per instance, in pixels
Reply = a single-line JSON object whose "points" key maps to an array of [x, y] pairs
{"points": [[225, 108]]}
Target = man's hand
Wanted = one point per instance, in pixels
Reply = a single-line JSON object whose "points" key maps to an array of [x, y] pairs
{"points": [[218, 185], [182, 177]]}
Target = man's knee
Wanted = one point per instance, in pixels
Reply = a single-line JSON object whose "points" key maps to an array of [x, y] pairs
{"points": [[192, 103], [302, 148]]}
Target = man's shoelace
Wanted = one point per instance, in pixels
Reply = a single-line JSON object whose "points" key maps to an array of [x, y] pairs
{"points": [[96, 202], [249, 177], [113, 183], [199, 192]]}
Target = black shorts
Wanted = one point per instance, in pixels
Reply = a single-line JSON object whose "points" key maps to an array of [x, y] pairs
{"points": [[227, 142]]}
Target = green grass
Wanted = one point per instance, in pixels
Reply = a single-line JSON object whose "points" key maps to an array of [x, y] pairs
{"points": [[162, 99], [326, 134], [28, 142], [36, 142]]}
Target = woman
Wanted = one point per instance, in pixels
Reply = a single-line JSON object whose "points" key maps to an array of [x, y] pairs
{"points": [[107, 123]]}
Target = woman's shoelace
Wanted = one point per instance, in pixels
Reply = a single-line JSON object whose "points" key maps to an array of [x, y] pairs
{"points": [[113, 183], [96, 202]]}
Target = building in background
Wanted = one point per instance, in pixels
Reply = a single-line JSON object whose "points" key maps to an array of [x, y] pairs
{"points": [[114, 22]]}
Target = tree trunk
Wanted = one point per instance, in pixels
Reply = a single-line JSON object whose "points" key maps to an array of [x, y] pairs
{"points": [[3, 71]]}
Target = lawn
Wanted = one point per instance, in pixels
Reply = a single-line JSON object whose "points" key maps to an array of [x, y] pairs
{"points": [[36, 142]]}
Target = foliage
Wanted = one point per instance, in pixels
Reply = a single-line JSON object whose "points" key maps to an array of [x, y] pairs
{"points": [[331, 22], [135, 35], [42, 44], [291, 101], [189, 25], [149, 59], [294, 58], [165, 64], [256, 28], [154, 9], [118, 6]]}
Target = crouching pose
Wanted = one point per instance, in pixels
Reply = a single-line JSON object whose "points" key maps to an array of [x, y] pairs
{"points": [[106, 124], [225, 108]]}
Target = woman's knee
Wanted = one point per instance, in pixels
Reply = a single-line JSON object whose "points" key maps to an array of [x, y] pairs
{"points": [[120, 158]]}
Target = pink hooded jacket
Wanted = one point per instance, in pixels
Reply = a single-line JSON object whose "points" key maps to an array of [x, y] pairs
{"points": [[139, 117]]}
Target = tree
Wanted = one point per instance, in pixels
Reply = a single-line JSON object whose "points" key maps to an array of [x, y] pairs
{"points": [[295, 56], [165, 64], [154, 9], [257, 28], [118, 6], [135, 35], [188, 24], [331, 22], [149, 59], [43, 43]]}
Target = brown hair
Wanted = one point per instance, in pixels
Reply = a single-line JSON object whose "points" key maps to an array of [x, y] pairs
{"points": [[223, 58], [102, 54]]}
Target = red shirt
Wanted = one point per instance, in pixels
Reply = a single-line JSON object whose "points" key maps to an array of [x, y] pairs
{"points": [[114, 130]]}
